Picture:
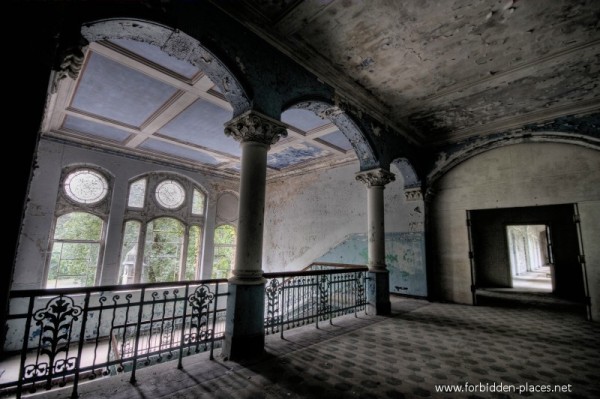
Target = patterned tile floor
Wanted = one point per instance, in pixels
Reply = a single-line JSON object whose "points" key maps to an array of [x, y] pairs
{"points": [[404, 356]]}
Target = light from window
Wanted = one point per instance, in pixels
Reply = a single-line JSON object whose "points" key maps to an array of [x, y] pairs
{"points": [[170, 194], [86, 186], [162, 250], [224, 254], [193, 253], [75, 250], [129, 251], [137, 193], [198, 203]]}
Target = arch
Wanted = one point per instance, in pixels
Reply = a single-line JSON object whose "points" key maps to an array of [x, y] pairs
{"points": [[362, 147], [411, 178], [446, 162], [176, 44]]}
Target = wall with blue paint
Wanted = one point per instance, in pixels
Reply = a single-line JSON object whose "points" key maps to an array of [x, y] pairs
{"points": [[323, 216], [405, 259]]}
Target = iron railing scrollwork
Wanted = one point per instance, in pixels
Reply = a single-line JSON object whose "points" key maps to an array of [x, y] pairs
{"points": [[64, 335], [320, 292]]}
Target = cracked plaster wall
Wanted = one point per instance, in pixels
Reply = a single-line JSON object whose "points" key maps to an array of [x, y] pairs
{"points": [[512, 176], [307, 216]]}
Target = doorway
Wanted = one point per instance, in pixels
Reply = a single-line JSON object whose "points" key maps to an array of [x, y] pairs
{"points": [[509, 243], [530, 255]]}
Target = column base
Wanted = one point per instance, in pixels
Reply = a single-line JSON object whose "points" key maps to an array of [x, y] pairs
{"points": [[244, 325], [378, 293]]}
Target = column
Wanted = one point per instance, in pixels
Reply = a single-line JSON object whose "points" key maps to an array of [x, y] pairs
{"points": [[244, 328], [378, 284]]}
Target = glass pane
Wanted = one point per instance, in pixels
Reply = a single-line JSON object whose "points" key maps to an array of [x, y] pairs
{"points": [[224, 255], [137, 193], [78, 226], [73, 265], [129, 251], [193, 253], [86, 186], [225, 235], [223, 261], [198, 203], [162, 250], [170, 194]]}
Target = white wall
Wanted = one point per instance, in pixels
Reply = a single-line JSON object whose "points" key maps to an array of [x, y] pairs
{"points": [[513, 176], [52, 157], [307, 215]]}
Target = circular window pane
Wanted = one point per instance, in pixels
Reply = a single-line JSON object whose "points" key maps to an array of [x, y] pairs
{"points": [[86, 186], [170, 194]]}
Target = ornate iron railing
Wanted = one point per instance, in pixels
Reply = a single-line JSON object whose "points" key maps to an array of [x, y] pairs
{"points": [[320, 292], [64, 335]]}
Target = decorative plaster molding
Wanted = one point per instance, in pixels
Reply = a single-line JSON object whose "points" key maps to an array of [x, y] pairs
{"points": [[375, 177], [413, 194], [253, 126], [70, 66]]}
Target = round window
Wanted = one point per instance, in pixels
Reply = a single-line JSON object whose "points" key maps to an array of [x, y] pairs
{"points": [[170, 194], [86, 186]]}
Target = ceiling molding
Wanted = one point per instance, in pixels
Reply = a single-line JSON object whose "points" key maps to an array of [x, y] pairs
{"points": [[498, 125]]}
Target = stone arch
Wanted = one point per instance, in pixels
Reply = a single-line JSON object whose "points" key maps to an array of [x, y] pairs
{"points": [[447, 161], [362, 147], [176, 44]]}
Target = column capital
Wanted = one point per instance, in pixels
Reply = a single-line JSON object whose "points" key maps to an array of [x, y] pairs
{"points": [[255, 127], [375, 177]]}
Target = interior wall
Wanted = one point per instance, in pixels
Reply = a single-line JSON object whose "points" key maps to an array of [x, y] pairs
{"points": [[51, 158], [513, 176], [323, 216]]}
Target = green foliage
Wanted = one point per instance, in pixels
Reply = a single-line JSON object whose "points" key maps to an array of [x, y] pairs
{"points": [[162, 250], [75, 263], [193, 252], [224, 254]]}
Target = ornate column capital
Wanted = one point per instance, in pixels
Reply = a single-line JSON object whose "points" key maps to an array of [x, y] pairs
{"points": [[375, 177], [255, 127]]}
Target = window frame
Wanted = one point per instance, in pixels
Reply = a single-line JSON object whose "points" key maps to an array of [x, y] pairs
{"points": [[153, 210], [65, 205]]}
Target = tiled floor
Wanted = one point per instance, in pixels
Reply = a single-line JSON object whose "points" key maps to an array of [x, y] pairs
{"points": [[403, 356]]}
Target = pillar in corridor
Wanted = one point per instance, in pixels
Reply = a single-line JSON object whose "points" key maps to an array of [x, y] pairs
{"points": [[378, 284], [244, 328]]}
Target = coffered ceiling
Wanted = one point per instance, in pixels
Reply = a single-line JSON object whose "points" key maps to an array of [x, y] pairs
{"points": [[131, 96]]}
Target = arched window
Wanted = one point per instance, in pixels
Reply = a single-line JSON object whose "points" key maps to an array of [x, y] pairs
{"points": [[157, 244], [224, 255], [78, 238]]}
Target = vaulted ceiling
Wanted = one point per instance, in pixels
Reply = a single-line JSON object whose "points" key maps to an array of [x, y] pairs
{"points": [[443, 71]]}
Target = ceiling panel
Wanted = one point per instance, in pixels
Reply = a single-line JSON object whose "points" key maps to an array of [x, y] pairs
{"points": [[302, 119], [94, 129], [114, 91], [295, 154], [157, 56], [202, 123], [337, 139], [178, 151]]}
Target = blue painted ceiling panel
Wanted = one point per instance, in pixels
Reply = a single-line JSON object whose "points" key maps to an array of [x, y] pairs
{"points": [[338, 139], [303, 119], [113, 91], [202, 123], [94, 129], [177, 151], [156, 55], [297, 153]]}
